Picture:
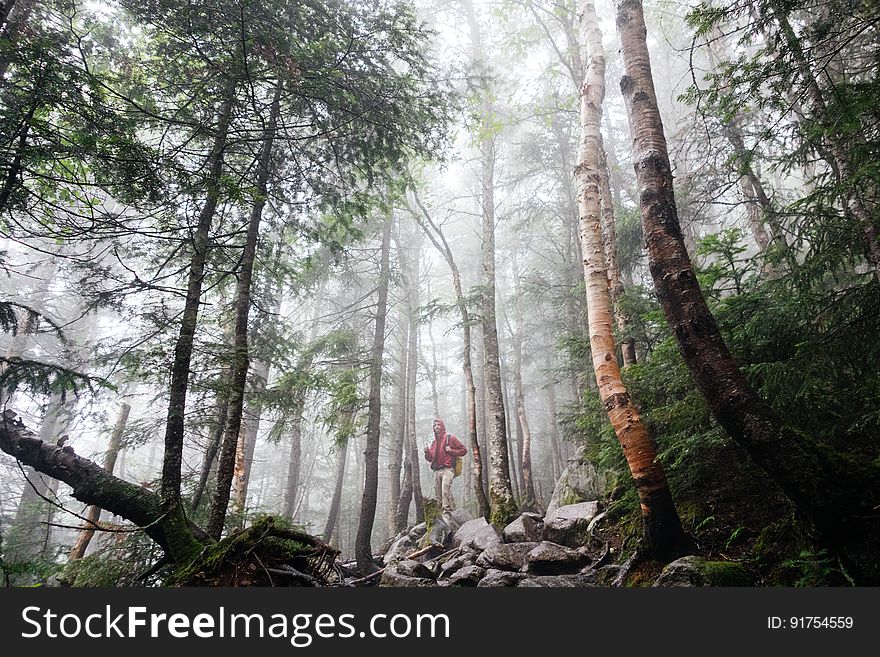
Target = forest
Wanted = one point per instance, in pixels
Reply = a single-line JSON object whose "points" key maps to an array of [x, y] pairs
{"points": [[627, 252]]}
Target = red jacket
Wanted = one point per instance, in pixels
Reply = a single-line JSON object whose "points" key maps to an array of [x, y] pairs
{"points": [[436, 452]]}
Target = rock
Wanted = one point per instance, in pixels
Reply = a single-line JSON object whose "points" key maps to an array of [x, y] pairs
{"points": [[699, 571], [557, 581], [410, 568], [452, 565], [417, 532], [477, 534], [579, 482], [440, 534], [392, 578], [568, 525], [459, 517], [526, 528], [606, 575], [467, 576], [500, 578], [400, 549], [553, 559], [506, 556]]}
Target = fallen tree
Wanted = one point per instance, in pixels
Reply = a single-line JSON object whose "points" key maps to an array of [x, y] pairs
{"points": [[265, 554]]}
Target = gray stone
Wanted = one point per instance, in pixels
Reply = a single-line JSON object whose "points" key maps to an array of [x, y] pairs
{"points": [[477, 534], [699, 571], [500, 578], [579, 482], [440, 534], [410, 568], [392, 578], [459, 517], [606, 575], [568, 525], [452, 565], [417, 531], [467, 576], [506, 556], [526, 528], [553, 559], [399, 549], [557, 581]]}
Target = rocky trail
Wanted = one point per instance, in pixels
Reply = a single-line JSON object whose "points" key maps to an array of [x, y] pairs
{"points": [[565, 547]]}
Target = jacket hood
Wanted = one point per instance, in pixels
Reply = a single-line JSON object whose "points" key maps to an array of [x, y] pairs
{"points": [[442, 429]]}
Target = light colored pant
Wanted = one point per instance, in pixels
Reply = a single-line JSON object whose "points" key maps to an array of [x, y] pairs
{"points": [[443, 489]]}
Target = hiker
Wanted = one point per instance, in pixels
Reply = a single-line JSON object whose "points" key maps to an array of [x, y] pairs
{"points": [[442, 454]]}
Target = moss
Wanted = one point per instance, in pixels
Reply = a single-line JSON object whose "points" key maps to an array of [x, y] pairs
{"points": [[183, 546], [503, 511], [431, 509], [250, 556], [212, 559], [725, 573]]}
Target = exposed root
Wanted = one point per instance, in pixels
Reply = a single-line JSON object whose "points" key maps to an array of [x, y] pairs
{"points": [[264, 554]]}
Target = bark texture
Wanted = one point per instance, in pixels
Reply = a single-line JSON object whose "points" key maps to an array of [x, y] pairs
{"points": [[241, 356], [363, 549], [663, 531], [837, 497]]}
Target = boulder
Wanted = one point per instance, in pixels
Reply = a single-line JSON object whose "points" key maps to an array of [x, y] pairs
{"points": [[440, 534], [557, 581], [477, 534], [410, 568], [459, 517], [392, 578], [450, 566], [524, 529], [417, 531], [579, 482], [506, 556], [568, 525], [553, 559], [467, 576], [500, 578], [699, 571], [606, 575], [399, 549]]}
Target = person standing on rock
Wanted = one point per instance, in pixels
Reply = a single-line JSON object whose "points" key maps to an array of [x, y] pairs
{"points": [[442, 453]]}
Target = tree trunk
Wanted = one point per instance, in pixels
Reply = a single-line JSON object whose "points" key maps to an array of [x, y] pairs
{"points": [[295, 458], [29, 535], [835, 496], [174, 427], [92, 484], [501, 499], [336, 502], [609, 242], [93, 513], [398, 438], [662, 526], [250, 427], [554, 431], [438, 239], [525, 445], [363, 549], [226, 464], [411, 277]]}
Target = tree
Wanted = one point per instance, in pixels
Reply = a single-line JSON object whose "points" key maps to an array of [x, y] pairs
{"points": [[242, 312], [500, 492], [834, 495], [363, 549], [438, 239], [663, 531]]}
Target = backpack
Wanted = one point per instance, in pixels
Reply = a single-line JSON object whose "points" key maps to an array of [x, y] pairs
{"points": [[457, 462]]}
